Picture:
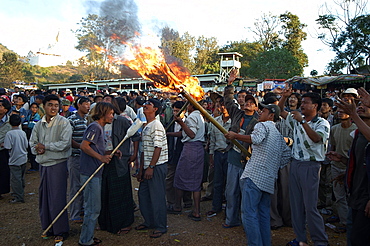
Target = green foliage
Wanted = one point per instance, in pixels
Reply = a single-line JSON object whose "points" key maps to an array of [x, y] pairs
{"points": [[294, 34], [277, 63], [347, 33], [10, 69], [249, 51]]}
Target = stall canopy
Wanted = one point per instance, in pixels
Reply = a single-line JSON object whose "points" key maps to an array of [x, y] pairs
{"points": [[323, 80]]}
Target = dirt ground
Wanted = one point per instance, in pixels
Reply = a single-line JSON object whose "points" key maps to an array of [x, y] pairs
{"points": [[20, 225]]}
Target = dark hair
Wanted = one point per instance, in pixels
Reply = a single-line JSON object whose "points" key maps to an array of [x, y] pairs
{"points": [[315, 98], [328, 101], [243, 91], [35, 103], [178, 104], [269, 94], [81, 100], [61, 93], [299, 97], [101, 109], [51, 97], [121, 104], [24, 97], [15, 120], [6, 104]]}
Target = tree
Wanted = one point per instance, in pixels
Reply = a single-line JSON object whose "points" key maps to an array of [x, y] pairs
{"points": [[347, 33], [294, 34], [10, 69], [267, 29], [249, 51], [206, 58], [278, 63]]}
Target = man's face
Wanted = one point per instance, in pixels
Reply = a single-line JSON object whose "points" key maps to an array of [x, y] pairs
{"points": [[98, 99], [325, 108], [65, 108], [107, 99], [363, 111], [3, 110], [293, 101], [148, 108], [342, 115], [241, 98], [348, 98], [307, 106], [264, 115], [84, 108], [51, 108], [108, 117], [250, 105]]}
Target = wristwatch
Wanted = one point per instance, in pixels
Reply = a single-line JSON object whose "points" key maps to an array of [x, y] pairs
{"points": [[303, 121], [152, 166]]}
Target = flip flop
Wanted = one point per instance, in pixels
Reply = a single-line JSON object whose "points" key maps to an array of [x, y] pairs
{"points": [[124, 231], [226, 226], [141, 227], [195, 218], [156, 234]]}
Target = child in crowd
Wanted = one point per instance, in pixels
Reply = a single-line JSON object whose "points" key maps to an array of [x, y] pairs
{"points": [[16, 142]]}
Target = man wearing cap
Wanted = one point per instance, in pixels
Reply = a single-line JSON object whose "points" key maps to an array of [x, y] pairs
{"points": [[242, 122], [153, 171], [349, 94], [269, 154], [65, 108], [310, 135]]}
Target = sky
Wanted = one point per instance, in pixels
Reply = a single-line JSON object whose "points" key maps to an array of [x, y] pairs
{"points": [[31, 25]]}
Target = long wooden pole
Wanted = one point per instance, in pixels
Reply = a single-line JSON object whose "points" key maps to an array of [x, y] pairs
{"points": [[213, 121], [87, 181]]}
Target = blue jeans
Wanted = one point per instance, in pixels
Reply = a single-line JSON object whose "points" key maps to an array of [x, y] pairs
{"points": [[219, 179], [92, 205], [233, 194], [256, 214]]}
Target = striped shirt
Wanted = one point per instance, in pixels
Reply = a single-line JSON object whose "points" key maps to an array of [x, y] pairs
{"points": [[304, 149], [154, 136], [79, 126]]}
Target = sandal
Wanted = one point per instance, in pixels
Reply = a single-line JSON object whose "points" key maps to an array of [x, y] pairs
{"points": [[141, 227], [61, 237], [195, 218], [96, 242], [124, 231], [211, 213], [156, 234]]}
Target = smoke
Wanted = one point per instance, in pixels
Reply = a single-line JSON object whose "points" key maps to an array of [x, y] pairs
{"points": [[121, 16]]}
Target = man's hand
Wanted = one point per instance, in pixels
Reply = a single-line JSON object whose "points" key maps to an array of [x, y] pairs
{"points": [[367, 209], [347, 107], [334, 156], [132, 158], [364, 96], [148, 173], [40, 148], [287, 91], [118, 154], [211, 161], [178, 119], [297, 115], [231, 135], [105, 158], [139, 176], [232, 76]]}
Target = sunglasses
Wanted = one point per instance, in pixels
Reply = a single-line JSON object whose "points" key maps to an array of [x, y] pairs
{"points": [[148, 103]]}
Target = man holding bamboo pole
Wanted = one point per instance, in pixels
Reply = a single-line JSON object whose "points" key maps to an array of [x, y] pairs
{"points": [[92, 155]]}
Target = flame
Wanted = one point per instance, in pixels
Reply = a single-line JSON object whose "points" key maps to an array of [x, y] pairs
{"points": [[150, 64], [99, 49]]}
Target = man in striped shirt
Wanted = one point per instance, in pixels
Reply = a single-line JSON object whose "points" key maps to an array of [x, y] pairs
{"points": [[79, 124], [153, 172]]}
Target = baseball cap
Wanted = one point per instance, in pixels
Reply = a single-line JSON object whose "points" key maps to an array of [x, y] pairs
{"points": [[273, 108], [140, 100], [66, 102]]}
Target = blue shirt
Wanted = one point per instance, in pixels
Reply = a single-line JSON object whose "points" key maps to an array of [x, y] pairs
{"points": [[95, 135]]}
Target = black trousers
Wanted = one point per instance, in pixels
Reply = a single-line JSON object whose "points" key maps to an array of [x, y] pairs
{"points": [[360, 234], [4, 172]]}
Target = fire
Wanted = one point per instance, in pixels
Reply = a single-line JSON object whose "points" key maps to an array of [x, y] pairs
{"points": [[150, 64], [99, 49]]}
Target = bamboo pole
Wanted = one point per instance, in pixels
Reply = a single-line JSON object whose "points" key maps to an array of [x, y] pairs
{"points": [[213, 121], [130, 132]]}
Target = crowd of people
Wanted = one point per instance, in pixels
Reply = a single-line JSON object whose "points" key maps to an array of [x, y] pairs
{"points": [[303, 156]]}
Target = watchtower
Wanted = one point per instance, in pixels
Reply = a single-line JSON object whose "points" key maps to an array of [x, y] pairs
{"points": [[228, 62]]}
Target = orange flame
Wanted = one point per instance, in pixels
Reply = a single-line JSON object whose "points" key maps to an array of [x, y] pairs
{"points": [[151, 65], [99, 49]]}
